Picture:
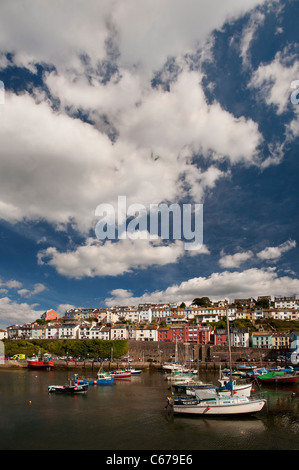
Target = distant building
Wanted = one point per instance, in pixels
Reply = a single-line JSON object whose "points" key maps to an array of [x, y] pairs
{"points": [[286, 302], [3, 334], [281, 339], [50, 315], [262, 339]]}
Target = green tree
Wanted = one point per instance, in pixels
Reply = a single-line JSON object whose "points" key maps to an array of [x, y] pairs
{"points": [[202, 302]]}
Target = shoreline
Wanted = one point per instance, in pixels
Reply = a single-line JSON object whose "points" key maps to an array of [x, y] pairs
{"points": [[107, 365]]}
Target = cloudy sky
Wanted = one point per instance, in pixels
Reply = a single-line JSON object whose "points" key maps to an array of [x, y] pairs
{"points": [[193, 102]]}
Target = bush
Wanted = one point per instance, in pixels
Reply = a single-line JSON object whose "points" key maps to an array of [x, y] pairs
{"points": [[72, 347]]}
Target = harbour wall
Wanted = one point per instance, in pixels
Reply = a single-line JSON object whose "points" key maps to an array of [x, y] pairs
{"points": [[143, 354]]}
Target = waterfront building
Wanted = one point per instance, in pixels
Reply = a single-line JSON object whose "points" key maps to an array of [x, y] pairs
{"points": [[146, 333], [131, 331], [220, 337], [164, 334], [261, 339], [185, 333], [119, 331], [240, 337], [281, 340]]}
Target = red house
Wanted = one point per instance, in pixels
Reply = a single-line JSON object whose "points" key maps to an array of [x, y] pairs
{"points": [[50, 315]]}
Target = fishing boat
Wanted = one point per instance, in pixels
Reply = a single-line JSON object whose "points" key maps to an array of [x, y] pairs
{"points": [[278, 377], [39, 363], [103, 378], [68, 389], [121, 374]]}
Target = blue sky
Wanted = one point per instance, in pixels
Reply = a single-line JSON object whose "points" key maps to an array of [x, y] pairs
{"points": [[161, 102]]}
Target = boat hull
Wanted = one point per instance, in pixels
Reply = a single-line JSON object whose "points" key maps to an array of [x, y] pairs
{"points": [[278, 380], [40, 364], [65, 389], [96, 381], [223, 407], [121, 375]]}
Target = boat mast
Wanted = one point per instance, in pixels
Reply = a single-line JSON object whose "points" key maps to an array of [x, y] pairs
{"points": [[229, 348]]}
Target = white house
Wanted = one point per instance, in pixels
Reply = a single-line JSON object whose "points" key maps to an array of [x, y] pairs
{"points": [[239, 337], [286, 302], [69, 331], [100, 332], [146, 333], [119, 331]]}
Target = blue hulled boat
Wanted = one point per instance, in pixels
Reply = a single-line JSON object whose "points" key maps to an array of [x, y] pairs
{"points": [[103, 378]]}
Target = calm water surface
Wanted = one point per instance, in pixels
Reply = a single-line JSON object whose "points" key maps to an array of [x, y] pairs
{"points": [[131, 415]]}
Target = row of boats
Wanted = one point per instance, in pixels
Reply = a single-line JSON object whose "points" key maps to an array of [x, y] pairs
{"points": [[229, 397], [80, 384]]}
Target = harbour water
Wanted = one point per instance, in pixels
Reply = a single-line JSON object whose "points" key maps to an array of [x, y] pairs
{"points": [[131, 415]]}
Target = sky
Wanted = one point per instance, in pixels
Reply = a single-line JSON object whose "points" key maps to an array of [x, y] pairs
{"points": [[192, 104]]}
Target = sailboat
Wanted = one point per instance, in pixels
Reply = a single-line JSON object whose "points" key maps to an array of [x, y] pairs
{"points": [[214, 404]]}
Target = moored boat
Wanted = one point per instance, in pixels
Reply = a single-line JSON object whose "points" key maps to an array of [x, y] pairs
{"points": [[210, 402], [216, 406], [68, 389], [133, 370], [278, 377], [121, 374], [39, 363], [103, 378], [225, 390]]}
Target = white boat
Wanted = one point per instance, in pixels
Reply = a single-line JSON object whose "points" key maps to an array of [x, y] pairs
{"points": [[133, 371], [210, 403], [172, 366], [239, 390], [179, 376], [217, 406]]}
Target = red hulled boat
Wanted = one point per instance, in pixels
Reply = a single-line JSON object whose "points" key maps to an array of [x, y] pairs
{"points": [[121, 374], [39, 363]]}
